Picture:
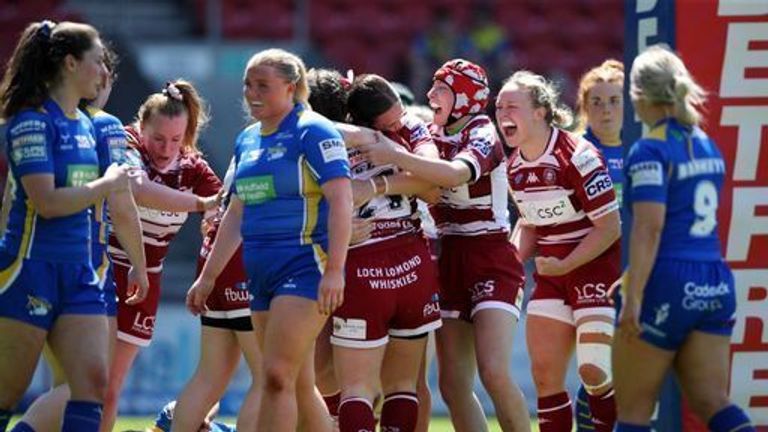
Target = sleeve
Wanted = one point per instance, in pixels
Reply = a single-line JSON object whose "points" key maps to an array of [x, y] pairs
{"points": [[646, 173], [484, 151], [325, 151], [591, 182], [30, 145], [111, 143], [419, 134], [207, 183], [236, 162]]}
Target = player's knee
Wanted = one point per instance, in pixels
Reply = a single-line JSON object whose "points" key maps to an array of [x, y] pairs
{"points": [[95, 383], [494, 376], [593, 353], [453, 389], [542, 372], [707, 403], [593, 377], [277, 378]]}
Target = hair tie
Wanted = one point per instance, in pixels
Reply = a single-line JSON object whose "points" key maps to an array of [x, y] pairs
{"points": [[45, 29], [172, 91]]}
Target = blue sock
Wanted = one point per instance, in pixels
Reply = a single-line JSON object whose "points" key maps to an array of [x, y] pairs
{"points": [[5, 417], [626, 427], [583, 415], [82, 416], [730, 418], [22, 427], [221, 427]]}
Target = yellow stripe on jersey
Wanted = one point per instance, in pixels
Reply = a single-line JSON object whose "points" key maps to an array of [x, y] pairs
{"points": [[99, 218], [9, 196], [9, 274], [101, 271], [659, 132], [312, 194], [321, 258]]}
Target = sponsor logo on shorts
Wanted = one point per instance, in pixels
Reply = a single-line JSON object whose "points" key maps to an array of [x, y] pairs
{"points": [[37, 306], [704, 298], [392, 277], [350, 328], [433, 307], [591, 293], [662, 313], [144, 324], [236, 294], [483, 290]]}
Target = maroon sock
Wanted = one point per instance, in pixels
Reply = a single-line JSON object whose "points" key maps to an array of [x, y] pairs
{"points": [[332, 402], [400, 412], [555, 413], [603, 410], [356, 415]]}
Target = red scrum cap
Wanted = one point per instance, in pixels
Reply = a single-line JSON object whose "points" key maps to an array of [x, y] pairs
{"points": [[469, 84]]}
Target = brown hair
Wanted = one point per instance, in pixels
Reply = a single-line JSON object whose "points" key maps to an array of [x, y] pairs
{"points": [[178, 97], [36, 62], [610, 71], [287, 64], [369, 97]]}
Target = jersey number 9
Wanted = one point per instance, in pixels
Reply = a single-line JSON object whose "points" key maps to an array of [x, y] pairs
{"points": [[705, 207]]}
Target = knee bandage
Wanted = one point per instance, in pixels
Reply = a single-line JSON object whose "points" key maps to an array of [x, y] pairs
{"points": [[593, 348]]}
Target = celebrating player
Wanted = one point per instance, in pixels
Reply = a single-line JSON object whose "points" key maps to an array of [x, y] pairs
{"points": [[48, 285], [570, 220], [292, 209], [481, 275], [679, 298]]}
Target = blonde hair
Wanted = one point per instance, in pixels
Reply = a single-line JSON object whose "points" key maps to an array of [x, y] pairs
{"points": [[610, 71], [660, 77], [289, 66], [544, 94], [172, 104]]}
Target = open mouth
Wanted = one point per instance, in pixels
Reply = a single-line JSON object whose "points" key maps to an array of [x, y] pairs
{"points": [[436, 108], [508, 128], [257, 104]]}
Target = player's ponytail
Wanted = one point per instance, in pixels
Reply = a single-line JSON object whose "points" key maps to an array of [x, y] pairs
{"points": [[35, 63], [543, 94], [290, 66], [660, 77], [178, 97]]}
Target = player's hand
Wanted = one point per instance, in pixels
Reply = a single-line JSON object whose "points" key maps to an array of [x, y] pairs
{"points": [[331, 291], [117, 177], [362, 192], [551, 266], [381, 151], [617, 286], [198, 294], [138, 286], [361, 230], [629, 318], [210, 202]]}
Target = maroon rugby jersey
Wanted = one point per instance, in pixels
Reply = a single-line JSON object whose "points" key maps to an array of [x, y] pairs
{"points": [[393, 215], [189, 173], [480, 206], [562, 191]]}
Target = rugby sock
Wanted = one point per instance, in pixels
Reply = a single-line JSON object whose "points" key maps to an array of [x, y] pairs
{"points": [[555, 413], [603, 409], [400, 412], [730, 418], [82, 416], [332, 402], [626, 427], [356, 415], [583, 414], [22, 427], [5, 417]]}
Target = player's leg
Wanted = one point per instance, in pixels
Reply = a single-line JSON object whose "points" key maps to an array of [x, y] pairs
{"points": [[550, 345], [594, 334], [249, 409], [702, 366], [400, 373], [422, 387], [290, 330], [494, 333], [81, 344], [20, 347], [456, 375], [122, 361], [219, 357], [324, 371]]}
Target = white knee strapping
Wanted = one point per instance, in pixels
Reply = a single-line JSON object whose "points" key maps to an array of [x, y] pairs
{"points": [[597, 354]]}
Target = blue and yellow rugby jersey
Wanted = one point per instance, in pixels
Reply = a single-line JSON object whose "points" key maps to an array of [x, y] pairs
{"points": [[111, 146], [278, 177], [681, 167], [614, 159], [46, 141]]}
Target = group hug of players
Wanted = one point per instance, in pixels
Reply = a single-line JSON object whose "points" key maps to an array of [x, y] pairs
{"points": [[315, 264]]}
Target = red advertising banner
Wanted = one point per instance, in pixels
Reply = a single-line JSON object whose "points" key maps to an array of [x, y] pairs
{"points": [[725, 45]]}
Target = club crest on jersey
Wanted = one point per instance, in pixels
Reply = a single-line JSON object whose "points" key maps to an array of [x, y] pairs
{"points": [[518, 178], [276, 152], [549, 176], [253, 155]]}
